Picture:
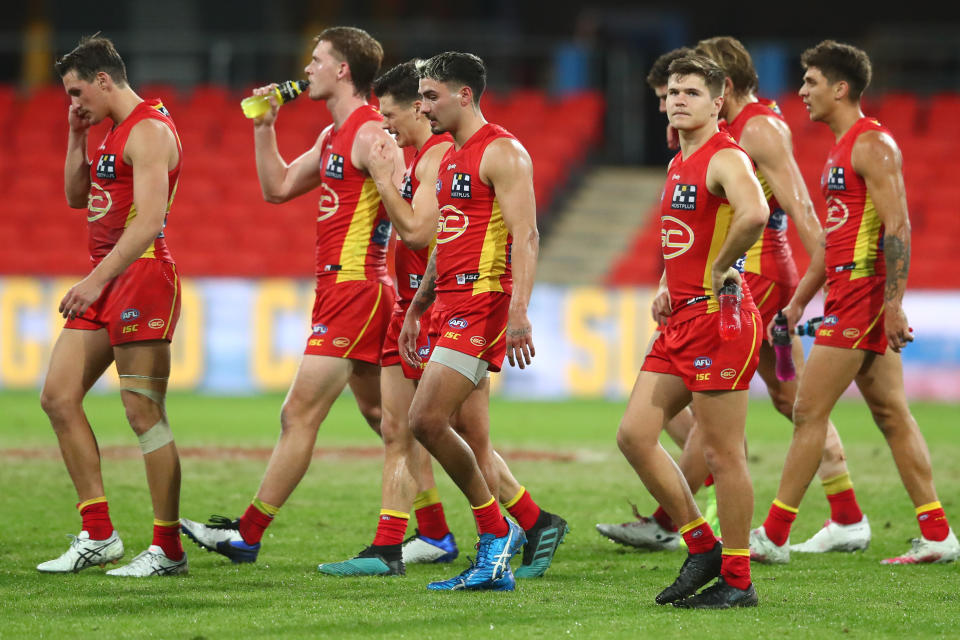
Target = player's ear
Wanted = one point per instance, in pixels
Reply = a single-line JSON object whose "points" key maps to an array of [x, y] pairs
{"points": [[841, 90]]}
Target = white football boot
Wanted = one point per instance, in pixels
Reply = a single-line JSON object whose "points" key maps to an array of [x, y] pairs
{"points": [[152, 562], [643, 533], [762, 548], [84, 553], [837, 537], [924, 551]]}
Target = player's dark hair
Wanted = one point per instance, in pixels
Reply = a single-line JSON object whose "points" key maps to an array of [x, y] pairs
{"points": [[838, 61], [730, 54], [658, 75], [464, 69], [92, 55], [362, 53], [402, 83], [695, 64]]}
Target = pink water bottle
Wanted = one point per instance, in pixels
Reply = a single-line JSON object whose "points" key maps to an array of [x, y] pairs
{"points": [[783, 348], [729, 299]]}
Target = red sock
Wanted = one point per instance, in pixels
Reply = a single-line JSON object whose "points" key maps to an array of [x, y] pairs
{"points": [[166, 535], [778, 522], [735, 567], [699, 536], [523, 509], [252, 524], [844, 508], [663, 519], [490, 520], [709, 481], [96, 518], [432, 522], [933, 522], [391, 527]]}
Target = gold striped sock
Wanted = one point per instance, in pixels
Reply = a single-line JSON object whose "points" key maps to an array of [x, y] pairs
{"points": [[735, 552], [86, 503], [929, 507], [166, 523], [426, 498], [263, 507], [690, 526], [484, 505], [394, 514], [837, 484], [785, 507], [515, 499]]}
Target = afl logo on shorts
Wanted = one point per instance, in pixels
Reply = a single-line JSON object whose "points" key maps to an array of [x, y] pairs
{"points": [[727, 374], [458, 323], [703, 363], [478, 341], [320, 329], [851, 333], [341, 342], [156, 323], [676, 237], [423, 351], [328, 204], [830, 320], [451, 225], [129, 314]]}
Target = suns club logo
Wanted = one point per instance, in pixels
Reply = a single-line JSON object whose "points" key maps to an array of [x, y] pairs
{"points": [[851, 333], [129, 314], [156, 323], [452, 224], [99, 202], [458, 323], [837, 214], [341, 342], [329, 202], [676, 237], [478, 341], [726, 374], [703, 362]]}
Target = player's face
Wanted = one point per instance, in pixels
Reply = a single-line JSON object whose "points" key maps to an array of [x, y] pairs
{"points": [[86, 97], [400, 119], [322, 72], [661, 93], [817, 93], [689, 105], [440, 104]]}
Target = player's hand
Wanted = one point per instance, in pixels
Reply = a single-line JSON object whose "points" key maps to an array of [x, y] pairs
{"points": [[792, 313], [382, 160], [79, 298], [520, 351], [673, 138], [407, 341], [661, 308], [78, 118], [268, 118], [896, 327], [720, 278]]}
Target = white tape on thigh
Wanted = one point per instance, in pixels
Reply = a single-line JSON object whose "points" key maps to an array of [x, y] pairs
{"points": [[470, 367], [157, 436], [157, 396]]}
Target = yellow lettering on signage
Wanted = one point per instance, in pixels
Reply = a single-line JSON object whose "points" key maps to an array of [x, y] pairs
{"points": [[588, 371], [270, 369], [21, 357], [188, 350]]}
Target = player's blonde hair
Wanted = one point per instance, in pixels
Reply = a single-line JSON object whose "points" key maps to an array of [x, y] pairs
{"points": [[735, 60]]}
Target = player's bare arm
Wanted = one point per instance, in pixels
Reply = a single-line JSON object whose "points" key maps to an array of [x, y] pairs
{"points": [[422, 299], [425, 205], [76, 169], [730, 175], [152, 151], [661, 308], [506, 166], [767, 141], [875, 156], [279, 181]]}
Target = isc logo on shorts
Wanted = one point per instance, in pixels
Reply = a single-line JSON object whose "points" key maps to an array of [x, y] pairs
{"points": [[458, 323], [129, 314], [703, 362]]}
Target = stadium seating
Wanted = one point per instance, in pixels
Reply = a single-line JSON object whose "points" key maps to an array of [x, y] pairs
{"points": [[219, 224], [928, 132]]}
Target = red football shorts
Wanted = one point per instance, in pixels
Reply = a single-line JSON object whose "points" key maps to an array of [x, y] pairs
{"points": [[474, 324], [693, 351], [853, 315], [350, 320], [142, 303], [769, 296], [390, 355]]}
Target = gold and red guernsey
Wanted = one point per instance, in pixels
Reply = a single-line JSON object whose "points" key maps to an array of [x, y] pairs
{"points": [[770, 256], [473, 244], [854, 232], [353, 229], [110, 206], [693, 227], [411, 264]]}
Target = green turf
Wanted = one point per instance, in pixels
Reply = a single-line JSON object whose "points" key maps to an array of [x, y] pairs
{"points": [[595, 589]]}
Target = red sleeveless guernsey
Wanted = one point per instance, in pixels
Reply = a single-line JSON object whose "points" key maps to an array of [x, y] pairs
{"points": [[854, 232], [352, 226], [693, 227], [411, 264], [110, 206], [770, 256]]}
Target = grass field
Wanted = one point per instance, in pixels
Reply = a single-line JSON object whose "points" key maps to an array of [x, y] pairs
{"points": [[594, 589]]}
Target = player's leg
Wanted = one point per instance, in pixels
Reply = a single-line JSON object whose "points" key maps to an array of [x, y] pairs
{"points": [[144, 370], [433, 541], [318, 382], [827, 373], [881, 383], [680, 426], [401, 457], [78, 359]]}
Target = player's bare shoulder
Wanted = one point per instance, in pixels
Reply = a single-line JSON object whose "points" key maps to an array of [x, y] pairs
{"points": [[726, 166], [505, 159], [875, 151], [763, 135], [429, 164], [151, 136]]}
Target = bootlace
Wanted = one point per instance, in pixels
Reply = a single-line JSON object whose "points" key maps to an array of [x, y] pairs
{"points": [[222, 522]]}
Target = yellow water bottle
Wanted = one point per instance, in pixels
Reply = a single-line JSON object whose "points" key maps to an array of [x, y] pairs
{"points": [[256, 106]]}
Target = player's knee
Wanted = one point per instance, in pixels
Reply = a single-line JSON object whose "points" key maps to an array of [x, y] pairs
{"points": [[58, 404], [424, 425], [373, 415], [142, 412], [891, 419], [631, 440], [783, 403]]}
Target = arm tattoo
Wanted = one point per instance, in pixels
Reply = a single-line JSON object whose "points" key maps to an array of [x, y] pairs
{"points": [[896, 253], [426, 294]]}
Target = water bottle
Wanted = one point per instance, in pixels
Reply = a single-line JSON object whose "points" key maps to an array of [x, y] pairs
{"points": [[783, 348], [810, 328], [729, 299], [256, 106]]}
